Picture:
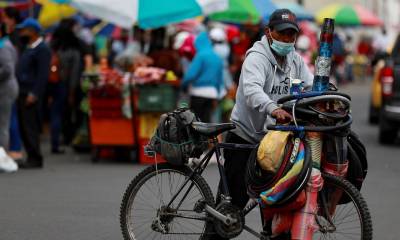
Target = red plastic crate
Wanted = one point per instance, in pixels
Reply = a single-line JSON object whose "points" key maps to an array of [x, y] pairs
{"points": [[106, 114], [111, 132], [143, 158], [105, 103]]}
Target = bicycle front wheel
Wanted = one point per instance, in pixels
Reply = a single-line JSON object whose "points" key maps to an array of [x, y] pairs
{"points": [[146, 213], [342, 212]]}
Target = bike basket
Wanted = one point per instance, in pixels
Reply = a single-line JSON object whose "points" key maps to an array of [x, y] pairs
{"points": [[175, 139]]}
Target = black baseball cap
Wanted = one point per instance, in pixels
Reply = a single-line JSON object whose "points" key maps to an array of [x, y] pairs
{"points": [[282, 19]]}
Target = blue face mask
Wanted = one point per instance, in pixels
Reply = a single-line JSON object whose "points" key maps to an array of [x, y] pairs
{"points": [[282, 48]]}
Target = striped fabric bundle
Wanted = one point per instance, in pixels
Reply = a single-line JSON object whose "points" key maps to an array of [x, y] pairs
{"points": [[276, 193]]}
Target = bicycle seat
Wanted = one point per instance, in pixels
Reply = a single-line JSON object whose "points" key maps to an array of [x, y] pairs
{"points": [[212, 129]]}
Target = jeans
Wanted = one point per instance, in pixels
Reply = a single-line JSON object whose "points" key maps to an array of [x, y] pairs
{"points": [[58, 92], [30, 125], [202, 107], [15, 135]]}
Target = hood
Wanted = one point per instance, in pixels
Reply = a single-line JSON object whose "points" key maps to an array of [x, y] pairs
{"points": [[3, 41], [263, 48], [202, 42]]}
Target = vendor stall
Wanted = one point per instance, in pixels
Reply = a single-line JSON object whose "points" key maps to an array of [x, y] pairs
{"points": [[124, 108], [110, 112], [154, 92]]}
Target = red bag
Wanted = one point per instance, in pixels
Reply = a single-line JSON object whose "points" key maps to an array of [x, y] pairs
{"points": [[54, 75]]}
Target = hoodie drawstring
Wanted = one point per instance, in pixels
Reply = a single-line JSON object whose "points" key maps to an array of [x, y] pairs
{"points": [[273, 79]]}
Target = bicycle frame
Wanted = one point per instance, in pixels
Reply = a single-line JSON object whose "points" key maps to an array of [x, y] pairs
{"points": [[225, 196]]}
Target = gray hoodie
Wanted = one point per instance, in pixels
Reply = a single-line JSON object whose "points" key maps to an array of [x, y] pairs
{"points": [[8, 81], [262, 82]]}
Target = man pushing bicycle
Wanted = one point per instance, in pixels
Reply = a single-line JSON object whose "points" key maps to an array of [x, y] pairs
{"points": [[270, 66]]}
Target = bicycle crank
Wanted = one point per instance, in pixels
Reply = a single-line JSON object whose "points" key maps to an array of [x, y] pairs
{"points": [[234, 224]]}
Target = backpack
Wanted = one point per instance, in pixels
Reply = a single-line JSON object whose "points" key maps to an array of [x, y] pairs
{"points": [[175, 139], [358, 164], [54, 75], [356, 157]]}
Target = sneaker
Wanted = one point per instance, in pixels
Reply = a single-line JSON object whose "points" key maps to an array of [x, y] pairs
{"points": [[7, 164], [57, 151], [16, 155], [30, 165]]}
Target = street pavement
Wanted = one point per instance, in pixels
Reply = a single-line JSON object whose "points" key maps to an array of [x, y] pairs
{"points": [[74, 199]]}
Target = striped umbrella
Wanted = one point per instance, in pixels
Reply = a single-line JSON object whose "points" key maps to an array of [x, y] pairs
{"points": [[345, 14], [148, 13]]}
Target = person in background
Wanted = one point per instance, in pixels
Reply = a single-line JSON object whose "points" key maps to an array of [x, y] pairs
{"points": [[11, 17], [64, 80], [184, 44], [8, 94], [381, 41], [381, 44], [222, 49], [364, 46], [32, 73], [164, 56], [303, 44], [204, 78], [338, 58]]}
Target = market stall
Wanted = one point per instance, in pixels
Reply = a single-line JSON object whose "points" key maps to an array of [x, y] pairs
{"points": [[154, 92], [110, 121], [124, 108]]}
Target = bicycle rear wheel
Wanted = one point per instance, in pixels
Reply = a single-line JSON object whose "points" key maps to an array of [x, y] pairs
{"points": [[342, 211], [145, 213]]}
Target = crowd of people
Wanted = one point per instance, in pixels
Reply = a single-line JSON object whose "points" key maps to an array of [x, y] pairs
{"points": [[40, 71], [40, 78]]}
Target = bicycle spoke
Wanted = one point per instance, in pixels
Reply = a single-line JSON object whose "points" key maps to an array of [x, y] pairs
{"points": [[145, 209], [346, 216]]}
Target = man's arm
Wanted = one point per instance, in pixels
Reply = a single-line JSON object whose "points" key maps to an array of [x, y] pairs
{"points": [[193, 71], [255, 74]]}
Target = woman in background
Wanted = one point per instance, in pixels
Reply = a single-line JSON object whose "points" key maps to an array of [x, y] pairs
{"points": [[8, 95]]}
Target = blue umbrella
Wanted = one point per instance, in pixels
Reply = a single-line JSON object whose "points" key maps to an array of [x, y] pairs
{"points": [[300, 11], [265, 7]]}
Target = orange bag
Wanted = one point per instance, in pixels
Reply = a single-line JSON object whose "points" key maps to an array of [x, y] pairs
{"points": [[54, 75]]}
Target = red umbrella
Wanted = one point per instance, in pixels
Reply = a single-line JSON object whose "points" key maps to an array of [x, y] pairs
{"points": [[19, 5]]}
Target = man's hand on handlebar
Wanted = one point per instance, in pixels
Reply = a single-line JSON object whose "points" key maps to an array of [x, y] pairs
{"points": [[281, 116]]}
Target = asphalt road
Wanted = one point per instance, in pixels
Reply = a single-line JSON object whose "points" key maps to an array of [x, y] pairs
{"points": [[73, 199]]}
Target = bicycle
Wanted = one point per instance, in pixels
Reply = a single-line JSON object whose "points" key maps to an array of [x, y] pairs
{"points": [[175, 202]]}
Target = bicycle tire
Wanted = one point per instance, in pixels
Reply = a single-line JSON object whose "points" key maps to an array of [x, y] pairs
{"points": [[146, 176], [334, 183]]}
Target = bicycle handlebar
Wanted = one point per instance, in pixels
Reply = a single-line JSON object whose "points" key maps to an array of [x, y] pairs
{"points": [[294, 128], [311, 94]]}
